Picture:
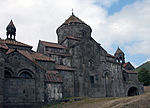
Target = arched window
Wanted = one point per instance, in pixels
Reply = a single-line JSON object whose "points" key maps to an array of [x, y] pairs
{"points": [[25, 75], [7, 73]]}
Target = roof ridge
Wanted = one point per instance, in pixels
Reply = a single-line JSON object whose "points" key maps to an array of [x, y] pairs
{"points": [[52, 44], [14, 42]]}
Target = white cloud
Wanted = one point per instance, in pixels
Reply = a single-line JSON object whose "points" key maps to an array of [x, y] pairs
{"points": [[39, 19], [131, 24]]}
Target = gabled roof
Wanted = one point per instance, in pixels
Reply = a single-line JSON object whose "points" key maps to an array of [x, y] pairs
{"points": [[65, 68], [33, 56], [50, 76], [51, 44], [16, 43]]}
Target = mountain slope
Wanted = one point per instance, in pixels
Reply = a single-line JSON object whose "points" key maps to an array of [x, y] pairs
{"points": [[145, 65]]}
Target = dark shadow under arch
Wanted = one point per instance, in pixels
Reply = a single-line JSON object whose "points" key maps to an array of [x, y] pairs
{"points": [[26, 73], [133, 91], [7, 73]]}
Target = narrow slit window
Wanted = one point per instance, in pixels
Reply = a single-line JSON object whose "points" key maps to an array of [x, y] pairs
{"points": [[92, 79]]}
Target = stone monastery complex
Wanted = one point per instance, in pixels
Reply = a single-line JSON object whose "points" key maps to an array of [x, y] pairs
{"points": [[76, 66]]}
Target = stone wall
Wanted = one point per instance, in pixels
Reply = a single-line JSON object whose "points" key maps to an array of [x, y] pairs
{"points": [[17, 64], [47, 64], [68, 83], [53, 92], [76, 30], [2, 60], [115, 79], [19, 90]]}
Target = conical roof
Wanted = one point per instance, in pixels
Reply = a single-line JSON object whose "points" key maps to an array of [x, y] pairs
{"points": [[11, 25], [73, 19], [119, 51]]}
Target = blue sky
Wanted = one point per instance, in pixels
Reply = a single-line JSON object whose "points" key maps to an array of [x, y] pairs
{"points": [[114, 22], [117, 6], [113, 9]]}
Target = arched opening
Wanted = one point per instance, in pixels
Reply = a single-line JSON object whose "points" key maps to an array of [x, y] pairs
{"points": [[108, 84], [7, 73], [133, 91], [25, 75]]}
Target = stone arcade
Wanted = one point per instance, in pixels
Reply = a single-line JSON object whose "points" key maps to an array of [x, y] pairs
{"points": [[76, 66]]}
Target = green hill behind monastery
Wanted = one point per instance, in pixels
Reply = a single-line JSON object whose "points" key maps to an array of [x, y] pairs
{"points": [[145, 65]]}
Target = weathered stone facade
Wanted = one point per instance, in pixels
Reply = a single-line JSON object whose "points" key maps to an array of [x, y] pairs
{"points": [[76, 66]]}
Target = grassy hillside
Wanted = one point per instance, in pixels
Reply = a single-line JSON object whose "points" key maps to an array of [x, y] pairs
{"points": [[145, 65], [140, 101]]}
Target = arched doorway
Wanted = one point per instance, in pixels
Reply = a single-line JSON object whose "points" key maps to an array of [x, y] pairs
{"points": [[133, 91], [108, 84]]}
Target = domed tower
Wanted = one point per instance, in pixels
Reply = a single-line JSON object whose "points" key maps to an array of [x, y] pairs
{"points": [[75, 27], [119, 54], [11, 31]]}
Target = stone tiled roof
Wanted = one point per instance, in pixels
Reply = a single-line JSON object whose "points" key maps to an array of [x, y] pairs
{"points": [[58, 54], [53, 78], [53, 45], [42, 57], [14, 42], [10, 50], [3, 45], [109, 55], [26, 54], [52, 72], [65, 68], [73, 19], [131, 71], [33, 56]]}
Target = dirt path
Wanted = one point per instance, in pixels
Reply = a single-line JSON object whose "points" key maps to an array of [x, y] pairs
{"points": [[141, 101]]}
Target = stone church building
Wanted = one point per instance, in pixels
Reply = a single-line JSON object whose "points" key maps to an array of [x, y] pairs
{"points": [[76, 66]]}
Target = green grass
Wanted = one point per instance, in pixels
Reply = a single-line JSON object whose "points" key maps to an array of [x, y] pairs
{"points": [[80, 103], [140, 101]]}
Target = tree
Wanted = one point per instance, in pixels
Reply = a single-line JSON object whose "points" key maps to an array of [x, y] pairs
{"points": [[144, 76]]}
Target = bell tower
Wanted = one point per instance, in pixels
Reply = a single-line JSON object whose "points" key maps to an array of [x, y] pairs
{"points": [[11, 31], [119, 54]]}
